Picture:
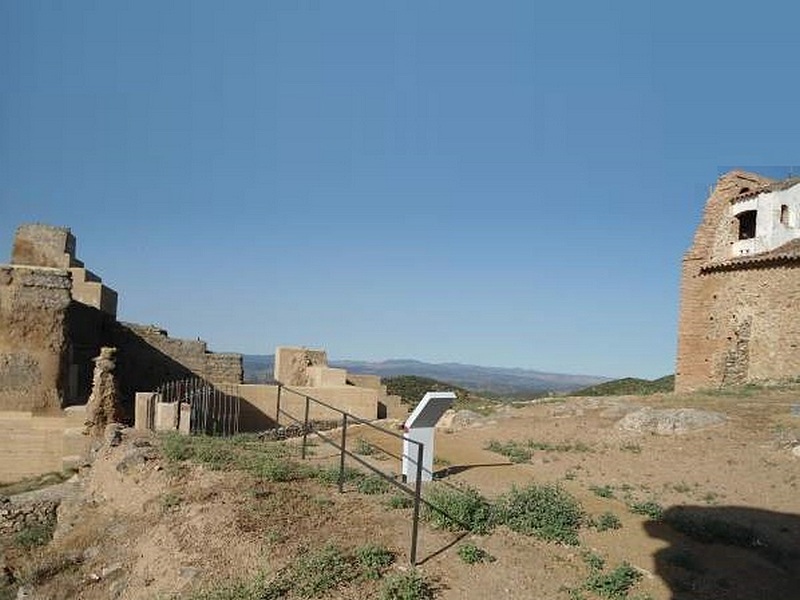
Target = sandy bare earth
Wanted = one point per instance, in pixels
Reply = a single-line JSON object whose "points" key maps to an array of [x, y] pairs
{"points": [[154, 531]]}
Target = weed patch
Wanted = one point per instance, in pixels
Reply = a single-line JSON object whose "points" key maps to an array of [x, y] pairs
{"points": [[649, 508], [410, 585], [545, 511], [472, 554], [373, 560], [457, 508], [603, 491], [35, 534], [606, 521], [398, 501], [615, 584], [513, 451]]}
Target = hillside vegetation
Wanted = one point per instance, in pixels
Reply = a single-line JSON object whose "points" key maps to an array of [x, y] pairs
{"points": [[412, 388], [628, 386], [494, 382]]}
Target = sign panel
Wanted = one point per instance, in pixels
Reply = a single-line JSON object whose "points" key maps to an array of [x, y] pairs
{"points": [[420, 426]]}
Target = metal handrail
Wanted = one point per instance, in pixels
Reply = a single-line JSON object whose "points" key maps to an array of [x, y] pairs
{"points": [[342, 447]]}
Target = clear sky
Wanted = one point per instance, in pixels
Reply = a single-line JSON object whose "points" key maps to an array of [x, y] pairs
{"points": [[498, 183]]}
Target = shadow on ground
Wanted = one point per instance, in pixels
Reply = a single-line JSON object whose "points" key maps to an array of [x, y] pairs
{"points": [[730, 552]]}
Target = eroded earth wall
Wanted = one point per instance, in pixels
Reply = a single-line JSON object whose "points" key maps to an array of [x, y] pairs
{"points": [[33, 339]]}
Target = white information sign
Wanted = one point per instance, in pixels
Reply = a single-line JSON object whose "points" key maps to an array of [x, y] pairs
{"points": [[420, 427]]}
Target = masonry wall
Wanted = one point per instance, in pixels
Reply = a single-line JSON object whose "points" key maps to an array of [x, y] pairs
{"points": [[736, 324], [41, 245], [147, 357], [32, 444], [33, 338]]}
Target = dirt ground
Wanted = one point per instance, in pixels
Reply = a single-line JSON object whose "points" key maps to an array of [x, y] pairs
{"points": [[151, 531]]}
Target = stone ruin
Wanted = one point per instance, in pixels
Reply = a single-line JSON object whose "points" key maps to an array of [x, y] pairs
{"points": [[103, 407], [60, 376], [740, 285]]}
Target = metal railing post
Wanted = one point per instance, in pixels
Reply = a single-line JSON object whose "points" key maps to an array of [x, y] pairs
{"points": [[305, 430], [278, 407], [341, 455], [417, 497]]}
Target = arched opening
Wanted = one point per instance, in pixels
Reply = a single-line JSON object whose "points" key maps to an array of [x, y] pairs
{"points": [[784, 215]]}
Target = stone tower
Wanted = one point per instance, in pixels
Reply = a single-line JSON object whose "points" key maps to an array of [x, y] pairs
{"points": [[740, 286]]}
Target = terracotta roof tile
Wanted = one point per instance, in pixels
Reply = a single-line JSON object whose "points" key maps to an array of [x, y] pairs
{"points": [[788, 252]]}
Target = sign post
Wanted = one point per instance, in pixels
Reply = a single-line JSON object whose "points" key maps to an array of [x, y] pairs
{"points": [[420, 427]]}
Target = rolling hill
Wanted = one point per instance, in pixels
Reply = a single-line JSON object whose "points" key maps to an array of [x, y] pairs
{"points": [[488, 381]]}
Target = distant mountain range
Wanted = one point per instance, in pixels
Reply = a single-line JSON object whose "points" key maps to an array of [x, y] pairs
{"points": [[495, 381]]}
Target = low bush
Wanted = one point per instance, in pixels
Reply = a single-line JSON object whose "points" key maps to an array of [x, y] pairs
{"points": [[373, 560], [372, 484], [615, 584], [514, 451], [410, 585], [457, 508], [545, 511], [317, 572], [472, 554], [606, 521], [649, 508]]}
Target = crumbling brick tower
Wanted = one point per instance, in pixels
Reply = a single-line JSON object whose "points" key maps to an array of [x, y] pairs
{"points": [[740, 286]]}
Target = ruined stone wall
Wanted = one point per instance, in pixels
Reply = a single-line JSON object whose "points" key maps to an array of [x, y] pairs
{"points": [[291, 364], [147, 357], [33, 338], [39, 245], [32, 443], [736, 324]]}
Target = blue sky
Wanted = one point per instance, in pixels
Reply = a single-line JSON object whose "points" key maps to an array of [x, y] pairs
{"points": [[507, 184]]}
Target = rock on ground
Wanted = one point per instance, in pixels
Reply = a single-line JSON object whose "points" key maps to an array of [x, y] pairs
{"points": [[670, 421]]}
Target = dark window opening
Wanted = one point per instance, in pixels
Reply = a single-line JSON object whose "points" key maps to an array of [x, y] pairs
{"points": [[747, 224], [744, 190], [784, 215]]}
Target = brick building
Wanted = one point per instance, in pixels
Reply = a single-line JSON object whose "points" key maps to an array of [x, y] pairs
{"points": [[740, 286]]}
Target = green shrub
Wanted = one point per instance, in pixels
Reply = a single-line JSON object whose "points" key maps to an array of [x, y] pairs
{"points": [[317, 572], [471, 554], [400, 501], [545, 511], [271, 469], [457, 508], [35, 534], [363, 447], [606, 521], [603, 491], [372, 484], [330, 475], [615, 584], [514, 451], [236, 590], [650, 509], [593, 560], [410, 585], [373, 560]]}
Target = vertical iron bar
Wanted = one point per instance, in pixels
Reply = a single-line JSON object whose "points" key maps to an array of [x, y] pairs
{"points": [[305, 429], [238, 413], [178, 416], [278, 407], [341, 455], [415, 521]]}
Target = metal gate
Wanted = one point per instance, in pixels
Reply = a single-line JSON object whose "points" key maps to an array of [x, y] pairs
{"points": [[214, 410]]}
